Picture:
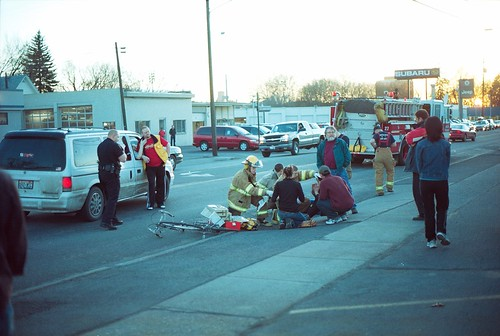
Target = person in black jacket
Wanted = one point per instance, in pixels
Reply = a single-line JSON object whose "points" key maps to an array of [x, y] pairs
{"points": [[110, 154], [13, 246]]}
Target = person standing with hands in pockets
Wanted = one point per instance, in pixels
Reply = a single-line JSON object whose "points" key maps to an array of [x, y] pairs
{"points": [[432, 157], [153, 150], [172, 133]]}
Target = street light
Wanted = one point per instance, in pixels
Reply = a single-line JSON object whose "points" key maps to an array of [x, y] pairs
{"points": [[122, 100], [484, 70], [213, 117]]}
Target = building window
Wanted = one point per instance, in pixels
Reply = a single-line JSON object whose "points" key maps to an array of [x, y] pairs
{"points": [[139, 124], [39, 118], [77, 116], [180, 126], [109, 125], [4, 118]]}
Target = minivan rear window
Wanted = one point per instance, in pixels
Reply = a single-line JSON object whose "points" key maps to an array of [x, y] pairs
{"points": [[33, 153]]}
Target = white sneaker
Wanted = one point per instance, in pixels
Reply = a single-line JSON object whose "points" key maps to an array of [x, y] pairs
{"points": [[443, 239], [432, 243], [150, 208], [343, 217], [331, 221]]}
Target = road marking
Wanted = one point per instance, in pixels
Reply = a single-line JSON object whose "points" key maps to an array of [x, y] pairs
{"points": [[394, 304], [195, 174], [107, 268]]}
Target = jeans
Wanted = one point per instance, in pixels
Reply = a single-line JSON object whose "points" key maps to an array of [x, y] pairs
{"points": [[435, 215], [326, 209], [7, 320], [343, 173], [298, 217]]}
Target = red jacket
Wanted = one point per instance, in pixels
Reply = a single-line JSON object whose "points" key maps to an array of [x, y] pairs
{"points": [[335, 189]]}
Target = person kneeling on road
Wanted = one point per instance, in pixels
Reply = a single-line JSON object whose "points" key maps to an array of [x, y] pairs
{"points": [[288, 191], [335, 199], [245, 190]]}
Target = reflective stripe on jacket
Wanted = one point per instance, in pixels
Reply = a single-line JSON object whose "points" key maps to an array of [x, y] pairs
{"points": [[241, 190]]}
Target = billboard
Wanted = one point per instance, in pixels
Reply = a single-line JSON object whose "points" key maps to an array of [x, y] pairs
{"points": [[416, 73], [466, 88]]}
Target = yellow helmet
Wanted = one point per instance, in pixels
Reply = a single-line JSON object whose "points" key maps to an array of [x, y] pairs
{"points": [[253, 161]]}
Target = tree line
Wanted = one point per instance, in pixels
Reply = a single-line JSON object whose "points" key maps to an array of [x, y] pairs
{"points": [[35, 60]]}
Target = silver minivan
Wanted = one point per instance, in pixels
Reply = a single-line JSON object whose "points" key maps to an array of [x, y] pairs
{"points": [[55, 170]]}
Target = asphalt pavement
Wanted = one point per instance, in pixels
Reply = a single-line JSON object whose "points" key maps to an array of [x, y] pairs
{"points": [[373, 277]]}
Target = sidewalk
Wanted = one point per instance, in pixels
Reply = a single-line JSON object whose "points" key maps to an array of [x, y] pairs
{"points": [[374, 277], [218, 308]]}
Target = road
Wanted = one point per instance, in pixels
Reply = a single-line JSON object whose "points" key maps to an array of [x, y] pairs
{"points": [[80, 278]]}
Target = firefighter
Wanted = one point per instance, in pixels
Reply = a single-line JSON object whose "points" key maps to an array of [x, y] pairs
{"points": [[245, 190], [382, 142]]}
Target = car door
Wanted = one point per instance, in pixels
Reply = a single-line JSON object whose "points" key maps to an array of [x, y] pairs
{"points": [[128, 173], [135, 170]]}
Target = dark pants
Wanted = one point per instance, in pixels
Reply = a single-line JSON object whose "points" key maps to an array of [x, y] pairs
{"points": [[156, 182], [435, 215], [417, 196], [111, 183], [172, 140], [326, 209]]}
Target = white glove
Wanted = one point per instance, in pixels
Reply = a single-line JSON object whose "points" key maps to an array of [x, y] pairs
{"points": [[269, 193]]}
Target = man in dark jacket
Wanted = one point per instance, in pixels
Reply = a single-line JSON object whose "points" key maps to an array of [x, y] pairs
{"points": [[13, 246], [412, 138]]}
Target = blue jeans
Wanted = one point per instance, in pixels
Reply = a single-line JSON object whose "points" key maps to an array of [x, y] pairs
{"points": [[326, 209], [7, 321], [343, 173], [297, 217]]}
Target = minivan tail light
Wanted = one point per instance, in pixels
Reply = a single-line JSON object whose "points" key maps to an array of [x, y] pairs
{"points": [[67, 183]]}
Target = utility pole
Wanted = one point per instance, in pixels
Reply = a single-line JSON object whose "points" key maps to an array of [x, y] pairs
{"points": [[122, 100], [213, 117]]}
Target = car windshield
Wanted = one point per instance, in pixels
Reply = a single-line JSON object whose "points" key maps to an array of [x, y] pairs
{"points": [[33, 154], [285, 128]]}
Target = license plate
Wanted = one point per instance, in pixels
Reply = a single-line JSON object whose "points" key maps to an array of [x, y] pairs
{"points": [[25, 184]]}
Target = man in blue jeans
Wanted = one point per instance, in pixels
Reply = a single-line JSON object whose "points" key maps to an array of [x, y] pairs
{"points": [[335, 199], [334, 153]]}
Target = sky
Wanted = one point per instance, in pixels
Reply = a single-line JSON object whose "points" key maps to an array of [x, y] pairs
{"points": [[253, 41]]}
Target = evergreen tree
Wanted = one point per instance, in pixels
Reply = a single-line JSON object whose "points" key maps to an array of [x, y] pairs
{"points": [[38, 65]]}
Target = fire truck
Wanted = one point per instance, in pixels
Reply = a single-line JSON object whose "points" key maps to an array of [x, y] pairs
{"points": [[356, 118]]}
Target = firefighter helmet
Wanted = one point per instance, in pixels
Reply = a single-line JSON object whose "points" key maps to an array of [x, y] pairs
{"points": [[253, 161]]}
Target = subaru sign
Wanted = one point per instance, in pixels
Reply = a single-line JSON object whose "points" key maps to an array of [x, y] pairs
{"points": [[417, 73]]}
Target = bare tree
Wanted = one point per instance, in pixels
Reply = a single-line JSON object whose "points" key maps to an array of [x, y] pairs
{"points": [[11, 59], [278, 91]]}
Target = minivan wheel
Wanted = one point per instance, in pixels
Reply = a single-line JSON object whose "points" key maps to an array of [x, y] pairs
{"points": [[204, 146], [243, 146], [266, 154], [94, 205]]}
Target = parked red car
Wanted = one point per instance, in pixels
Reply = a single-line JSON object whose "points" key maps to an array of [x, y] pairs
{"points": [[227, 136], [461, 132]]}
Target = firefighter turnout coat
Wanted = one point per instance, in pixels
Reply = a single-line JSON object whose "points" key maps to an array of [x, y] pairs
{"points": [[244, 191]]}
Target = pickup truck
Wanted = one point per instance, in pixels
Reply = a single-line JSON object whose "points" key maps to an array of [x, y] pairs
{"points": [[289, 136]]}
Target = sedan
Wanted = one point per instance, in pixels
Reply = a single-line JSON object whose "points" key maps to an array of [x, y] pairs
{"points": [[461, 132], [176, 156], [482, 125]]}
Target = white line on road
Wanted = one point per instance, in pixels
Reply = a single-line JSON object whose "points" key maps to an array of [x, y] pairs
{"points": [[395, 304]]}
